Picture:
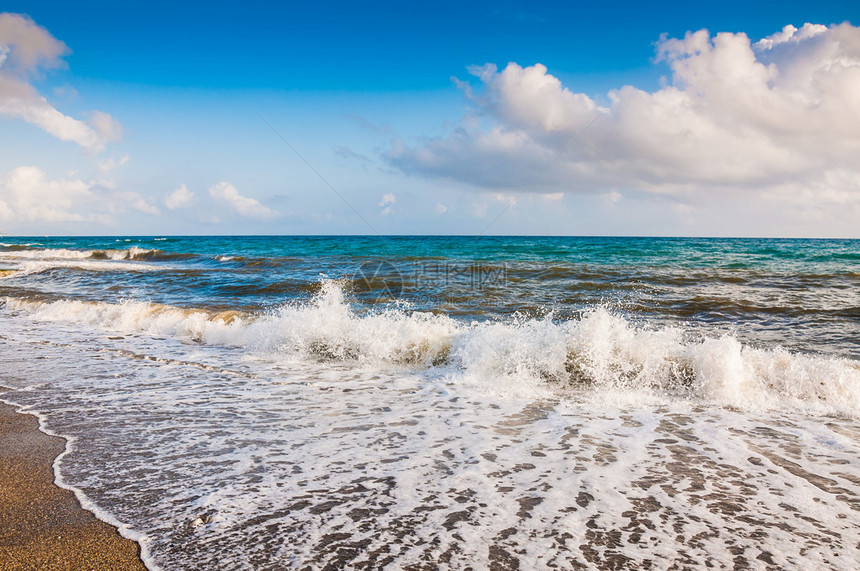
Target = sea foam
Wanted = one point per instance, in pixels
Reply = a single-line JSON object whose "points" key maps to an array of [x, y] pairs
{"points": [[600, 353], [29, 253], [22, 262]]}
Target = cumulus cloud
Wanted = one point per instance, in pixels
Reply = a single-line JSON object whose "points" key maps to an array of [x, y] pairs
{"points": [[27, 194], [179, 198], [26, 50], [242, 205], [736, 115], [791, 34]]}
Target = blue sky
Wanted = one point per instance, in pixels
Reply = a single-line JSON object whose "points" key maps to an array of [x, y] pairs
{"points": [[169, 96]]}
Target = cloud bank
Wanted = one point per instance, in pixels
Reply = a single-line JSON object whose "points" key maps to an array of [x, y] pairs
{"points": [[780, 116], [29, 199], [28, 195], [26, 51]]}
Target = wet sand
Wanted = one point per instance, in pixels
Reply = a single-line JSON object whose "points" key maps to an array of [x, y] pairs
{"points": [[42, 526]]}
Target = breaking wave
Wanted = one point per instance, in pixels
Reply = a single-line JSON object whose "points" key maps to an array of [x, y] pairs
{"points": [[24, 261], [26, 252], [134, 253], [599, 353]]}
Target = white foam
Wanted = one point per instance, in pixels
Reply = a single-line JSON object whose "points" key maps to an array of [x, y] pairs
{"points": [[133, 316], [66, 254], [47, 253], [601, 353], [34, 261], [312, 464]]}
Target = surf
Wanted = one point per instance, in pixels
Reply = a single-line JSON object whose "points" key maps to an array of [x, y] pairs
{"points": [[600, 352]]}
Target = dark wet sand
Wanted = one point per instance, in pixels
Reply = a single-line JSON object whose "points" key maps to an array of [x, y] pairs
{"points": [[42, 526]]}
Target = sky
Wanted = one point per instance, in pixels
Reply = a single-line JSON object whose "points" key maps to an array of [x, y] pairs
{"points": [[629, 118]]}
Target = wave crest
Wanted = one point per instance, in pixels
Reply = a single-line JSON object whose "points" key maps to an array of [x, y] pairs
{"points": [[25, 261], [600, 353]]}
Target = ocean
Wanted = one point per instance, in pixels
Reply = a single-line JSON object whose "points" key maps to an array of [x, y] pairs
{"points": [[448, 402]]}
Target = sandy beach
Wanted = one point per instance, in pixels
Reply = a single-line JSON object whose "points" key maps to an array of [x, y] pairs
{"points": [[42, 526]]}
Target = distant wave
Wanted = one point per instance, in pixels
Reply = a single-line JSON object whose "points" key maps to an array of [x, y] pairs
{"points": [[20, 260], [21, 253], [30, 253], [132, 253], [599, 353]]}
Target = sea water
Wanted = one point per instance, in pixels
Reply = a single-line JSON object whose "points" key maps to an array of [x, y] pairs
{"points": [[448, 402]]}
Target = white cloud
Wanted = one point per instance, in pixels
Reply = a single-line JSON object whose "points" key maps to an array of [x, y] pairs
{"points": [[735, 117], [386, 203], [179, 198], [28, 195], [241, 205], [441, 208], [135, 201], [791, 34], [26, 49], [108, 128], [27, 46]]}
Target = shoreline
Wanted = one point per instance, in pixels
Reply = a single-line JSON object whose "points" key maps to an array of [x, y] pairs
{"points": [[43, 526]]}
